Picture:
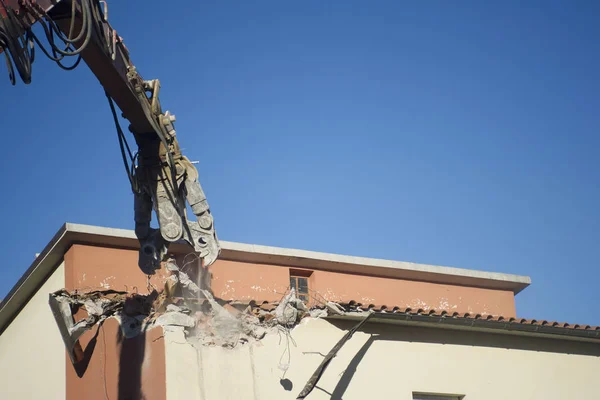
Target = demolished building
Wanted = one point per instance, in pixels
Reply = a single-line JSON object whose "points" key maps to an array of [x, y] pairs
{"points": [[272, 323]]}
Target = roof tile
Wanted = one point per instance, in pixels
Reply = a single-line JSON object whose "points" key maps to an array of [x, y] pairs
{"points": [[357, 306]]}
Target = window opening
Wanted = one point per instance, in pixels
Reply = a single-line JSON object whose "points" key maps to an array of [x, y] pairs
{"points": [[300, 284]]}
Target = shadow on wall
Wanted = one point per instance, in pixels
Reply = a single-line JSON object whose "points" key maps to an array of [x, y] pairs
{"points": [[86, 357], [444, 336], [350, 370], [286, 384], [469, 338], [131, 358]]}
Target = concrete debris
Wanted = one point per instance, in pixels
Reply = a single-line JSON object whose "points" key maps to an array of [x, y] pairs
{"points": [[173, 308], [176, 318], [286, 312], [95, 307], [98, 305], [318, 313], [171, 285], [226, 328], [181, 306], [251, 327], [171, 265], [181, 280], [299, 304], [335, 308], [189, 288]]}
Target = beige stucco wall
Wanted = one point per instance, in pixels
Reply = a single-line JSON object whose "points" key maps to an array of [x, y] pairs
{"points": [[32, 353], [387, 362]]}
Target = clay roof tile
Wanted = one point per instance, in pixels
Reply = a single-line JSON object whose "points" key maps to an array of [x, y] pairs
{"points": [[357, 306]]}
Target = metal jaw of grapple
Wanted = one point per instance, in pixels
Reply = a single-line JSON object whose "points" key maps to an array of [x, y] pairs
{"points": [[199, 234], [166, 180]]}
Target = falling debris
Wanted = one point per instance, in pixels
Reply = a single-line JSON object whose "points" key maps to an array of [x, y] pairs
{"points": [[173, 308], [224, 327]]}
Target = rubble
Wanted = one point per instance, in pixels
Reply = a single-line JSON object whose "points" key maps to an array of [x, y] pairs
{"points": [[254, 330], [225, 328], [98, 305], [334, 308], [290, 310], [181, 305], [318, 313], [190, 289], [176, 318], [173, 308], [286, 312]]}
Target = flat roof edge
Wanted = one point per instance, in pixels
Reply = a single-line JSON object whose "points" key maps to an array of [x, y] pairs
{"points": [[304, 258], [70, 233], [386, 268]]}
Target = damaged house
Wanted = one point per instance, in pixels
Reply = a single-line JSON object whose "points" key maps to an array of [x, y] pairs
{"points": [[271, 323]]}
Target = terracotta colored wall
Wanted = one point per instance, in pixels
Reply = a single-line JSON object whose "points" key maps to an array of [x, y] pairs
{"points": [[396, 292], [117, 368], [114, 367], [98, 267], [94, 268], [233, 280], [246, 281]]}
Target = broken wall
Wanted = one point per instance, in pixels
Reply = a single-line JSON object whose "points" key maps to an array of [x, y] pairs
{"points": [[32, 353], [92, 267], [115, 366], [118, 368], [217, 372]]}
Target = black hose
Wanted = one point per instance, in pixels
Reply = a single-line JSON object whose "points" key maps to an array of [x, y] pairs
{"points": [[17, 41], [70, 67], [86, 26], [123, 145]]}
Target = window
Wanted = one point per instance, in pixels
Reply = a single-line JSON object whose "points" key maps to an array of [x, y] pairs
{"points": [[418, 396], [300, 284]]}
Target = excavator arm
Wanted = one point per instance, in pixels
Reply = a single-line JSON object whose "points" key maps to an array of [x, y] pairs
{"points": [[162, 179]]}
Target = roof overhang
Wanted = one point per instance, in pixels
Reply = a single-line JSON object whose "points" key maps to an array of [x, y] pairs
{"points": [[475, 325], [373, 267], [52, 255]]}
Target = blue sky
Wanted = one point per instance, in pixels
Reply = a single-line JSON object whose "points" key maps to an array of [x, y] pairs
{"points": [[453, 133]]}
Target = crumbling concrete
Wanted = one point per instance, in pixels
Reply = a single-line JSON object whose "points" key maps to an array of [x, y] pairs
{"points": [[175, 318], [181, 305]]}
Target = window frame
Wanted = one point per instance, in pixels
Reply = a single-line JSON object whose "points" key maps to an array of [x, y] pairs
{"points": [[296, 275]]}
